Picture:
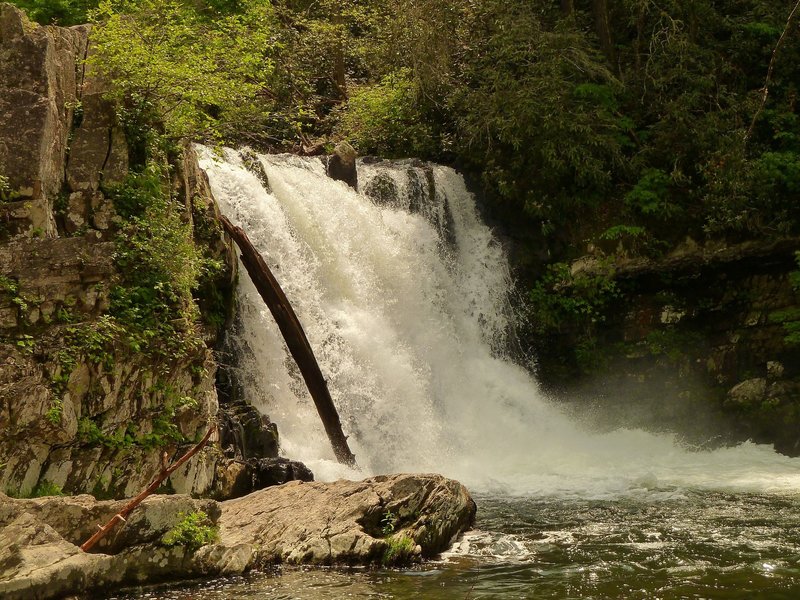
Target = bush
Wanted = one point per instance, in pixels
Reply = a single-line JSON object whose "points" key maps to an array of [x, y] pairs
{"points": [[384, 119], [193, 531], [57, 12], [168, 62]]}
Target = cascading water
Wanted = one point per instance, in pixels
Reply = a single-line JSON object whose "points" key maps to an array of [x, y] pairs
{"points": [[403, 295]]}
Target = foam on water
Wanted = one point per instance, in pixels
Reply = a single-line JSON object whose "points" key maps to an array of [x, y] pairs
{"points": [[406, 309]]}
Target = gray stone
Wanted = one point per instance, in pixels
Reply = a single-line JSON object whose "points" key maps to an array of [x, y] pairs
{"points": [[748, 392], [342, 165], [343, 522]]}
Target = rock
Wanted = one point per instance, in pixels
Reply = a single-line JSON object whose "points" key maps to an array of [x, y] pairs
{"points": [[277, 471], [775, 369], [384, 519], [38, 92], [345, 522], [749, 392], [246, 433], [75, 518], [342, 165]]}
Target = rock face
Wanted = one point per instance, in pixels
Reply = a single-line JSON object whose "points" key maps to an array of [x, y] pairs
{"points": [[695, 344], [342, 165], [39, 78], [391, 519], [79, 409]]}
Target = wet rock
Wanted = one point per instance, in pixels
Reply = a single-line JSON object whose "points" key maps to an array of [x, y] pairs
{"points": [[276, 471], [342, 165], [345, 522], [246, 433]]}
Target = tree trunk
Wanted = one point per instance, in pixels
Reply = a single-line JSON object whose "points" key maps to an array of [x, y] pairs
{"points": [[602, 27], [296, 340], [567, 7], [338, 55]]}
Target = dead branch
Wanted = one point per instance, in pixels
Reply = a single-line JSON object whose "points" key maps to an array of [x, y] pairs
{"points": [[296, 340], [165, 472]]}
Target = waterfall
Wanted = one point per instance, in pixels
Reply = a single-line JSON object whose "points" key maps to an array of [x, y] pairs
{"points": [[403, 293]]}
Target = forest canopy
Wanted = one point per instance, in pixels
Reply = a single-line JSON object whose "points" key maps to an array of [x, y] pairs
{"points": [[634, 122]]}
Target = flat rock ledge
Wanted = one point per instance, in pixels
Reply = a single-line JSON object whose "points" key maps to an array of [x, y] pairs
{"points": [[390, 519]]}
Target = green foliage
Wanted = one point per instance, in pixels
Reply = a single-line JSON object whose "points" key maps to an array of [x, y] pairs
{"points": [[6, 193], [90, 433], [384, 119], [399, 549], [671, 343], [161, 267], [57, 12], [525, 90], [561, 298], [651, 195], [389, 523], [790, 318], [55, 411], [46, 488], [199, 73], [195, 529]]}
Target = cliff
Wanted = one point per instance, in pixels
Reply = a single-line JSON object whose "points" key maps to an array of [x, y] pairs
{"points": [[94, 391], [695, 341]]}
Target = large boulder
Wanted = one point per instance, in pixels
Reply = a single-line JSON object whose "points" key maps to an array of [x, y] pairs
{"points": [[386, 519], [389, 519], [342, 165]]}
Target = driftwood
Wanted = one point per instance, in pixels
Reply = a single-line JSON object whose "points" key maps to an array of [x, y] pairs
{"points": [[165, 472], [296, 340]]}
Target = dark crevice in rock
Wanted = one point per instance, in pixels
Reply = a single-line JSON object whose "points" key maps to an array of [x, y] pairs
{"points": [[109, 149]]}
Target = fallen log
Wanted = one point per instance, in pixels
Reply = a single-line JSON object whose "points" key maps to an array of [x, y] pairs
{"points": [[159, 479], [296, 340]]}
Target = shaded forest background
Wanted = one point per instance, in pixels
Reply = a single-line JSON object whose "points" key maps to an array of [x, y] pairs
{"points": [[620, 128]]}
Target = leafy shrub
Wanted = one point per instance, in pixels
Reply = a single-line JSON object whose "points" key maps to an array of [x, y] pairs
{"points": [[46, 488], [651, 195], [561, 298], [58, 12], [790, 318], [193, 531], [384, 119], [160, 265], [170, 63]]}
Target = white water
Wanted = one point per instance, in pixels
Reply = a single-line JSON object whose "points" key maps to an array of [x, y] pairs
{"points": [[408, 324]]}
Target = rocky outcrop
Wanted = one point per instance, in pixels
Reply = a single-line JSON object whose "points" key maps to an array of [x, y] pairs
{"points": [[694, 343], [80, 409], [386, 518], [390, 519], [40, 69], [342, 165]]}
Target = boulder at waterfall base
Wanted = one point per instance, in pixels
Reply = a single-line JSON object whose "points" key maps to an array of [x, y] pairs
{"points": [[391, 519]]}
